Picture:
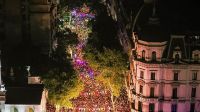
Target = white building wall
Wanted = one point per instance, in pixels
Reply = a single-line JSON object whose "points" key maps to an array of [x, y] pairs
{"points": [[23, 108]]}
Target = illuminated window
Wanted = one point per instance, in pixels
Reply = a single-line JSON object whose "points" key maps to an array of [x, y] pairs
{"points": [[194, 76], [151, 92], [193, 94], [174, 108], [13, 109], [141, 89], [30, 110], [152, 75], [153, 56], [175, 76], [151, 107], [142, 74]]}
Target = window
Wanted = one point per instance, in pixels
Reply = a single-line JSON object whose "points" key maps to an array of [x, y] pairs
{"points": [[177, 57], [13, 109], [141, 74], [140, 106], [193, 94], [192, 107], [141, 89], [152, 75], [151, 92], [175, 76], [196, 57], [151, 107], [30, 110], [174, 93], [143, 54], [194, 76], [133, 104], [153, 56], [174, 108]]}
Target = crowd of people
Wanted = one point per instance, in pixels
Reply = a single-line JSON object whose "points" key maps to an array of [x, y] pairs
{"points": [[94, 98]]}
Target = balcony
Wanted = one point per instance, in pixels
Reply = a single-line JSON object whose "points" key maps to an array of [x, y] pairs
{"points": [[141, 97], [135, 110], [161, 98], [174, 97]]}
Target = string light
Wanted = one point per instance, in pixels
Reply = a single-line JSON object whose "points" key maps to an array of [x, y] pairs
{"points": [[94, 97]]}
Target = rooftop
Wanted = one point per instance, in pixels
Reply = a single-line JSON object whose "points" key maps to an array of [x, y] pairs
{"points": [[30, 94]]}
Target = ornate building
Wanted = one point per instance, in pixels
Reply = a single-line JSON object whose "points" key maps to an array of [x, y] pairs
{"points": [[164, 68]]}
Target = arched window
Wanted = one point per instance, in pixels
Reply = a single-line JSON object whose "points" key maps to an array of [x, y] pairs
{"points": [[14, 109], [153, 56], [143, 54], [30, 110], [196, 57], [177, 57]]}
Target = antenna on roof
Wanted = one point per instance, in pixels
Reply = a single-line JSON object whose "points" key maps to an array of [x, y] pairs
{"points": [[154, 9], [153, 19]]}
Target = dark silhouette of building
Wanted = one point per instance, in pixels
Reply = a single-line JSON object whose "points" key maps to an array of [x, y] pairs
{"points": [[25, 26]]}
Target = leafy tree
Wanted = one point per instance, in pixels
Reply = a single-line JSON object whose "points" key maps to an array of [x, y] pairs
{"points": [[111, 65], [61, 79], [62, 87], [73, 92]]}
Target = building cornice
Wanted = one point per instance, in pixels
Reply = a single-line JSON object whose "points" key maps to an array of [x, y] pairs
{"points": [[152, 44], [167, 65]]}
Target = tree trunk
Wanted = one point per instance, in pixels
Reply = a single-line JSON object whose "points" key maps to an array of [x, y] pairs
{"points": [[112, 98], [57, 108], [113, 103]]}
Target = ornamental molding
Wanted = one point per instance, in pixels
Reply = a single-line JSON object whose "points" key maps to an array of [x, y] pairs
{"points": [[168, 65], [151, 44], [176, 84], [194, 83], [152, 84], [141, 82]]}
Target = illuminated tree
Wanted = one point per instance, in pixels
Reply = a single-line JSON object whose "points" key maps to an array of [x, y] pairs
{"points": [[62, 87], [111, 65]]}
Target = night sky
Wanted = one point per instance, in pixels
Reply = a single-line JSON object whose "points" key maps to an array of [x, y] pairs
{"points": [[181, 13], [176, 13]]}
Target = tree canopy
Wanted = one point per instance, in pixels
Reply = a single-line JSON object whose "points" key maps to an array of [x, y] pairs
{"points": [[111, 65], [62, 87]]}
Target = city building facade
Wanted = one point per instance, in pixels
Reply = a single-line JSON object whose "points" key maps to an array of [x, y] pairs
{"points": [[164, 67], [165, 76]]}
